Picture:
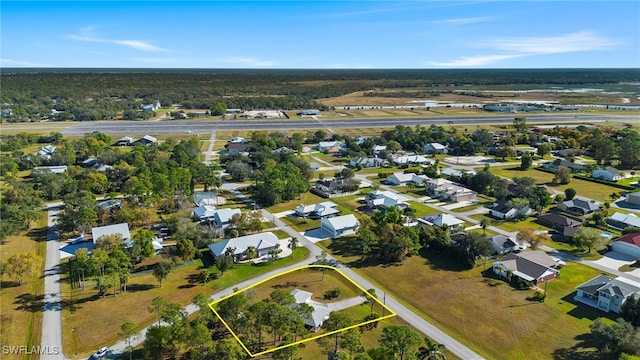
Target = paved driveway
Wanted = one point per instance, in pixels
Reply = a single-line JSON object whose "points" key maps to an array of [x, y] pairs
{"points": [[614, 260]]}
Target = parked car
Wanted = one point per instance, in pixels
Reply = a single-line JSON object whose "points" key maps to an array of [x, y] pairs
{"points": [[102, 352]]}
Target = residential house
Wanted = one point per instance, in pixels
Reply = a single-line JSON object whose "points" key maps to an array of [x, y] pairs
{"points": [[109, 230], [151, 107], [317, 211], [46, 152], [628, 244], [411, 160], [435, 148], [379, 148], [125, 141], [103, 168], [444, 220], [406, 178], [59, 169], [579, 206], [563, 224], [320, 311], [570, 152], [368, 162], [263, 243], [502, 210], [282, 150], [205, 198], [608, 173], [145, 140], [449, 191], [237, 148], [553, 165], [378, 199], [621, 221], [223, 217], [451, 172], [330, 188], [204, 213], [606, 294], [331, 146], [340, 225], [533, 266], [314, 166], [502, 244], [633, 198], [89, 162], [238, 140], [109, 204]]}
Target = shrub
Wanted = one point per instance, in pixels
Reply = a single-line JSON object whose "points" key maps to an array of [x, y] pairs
{"points": [[331, 294]]}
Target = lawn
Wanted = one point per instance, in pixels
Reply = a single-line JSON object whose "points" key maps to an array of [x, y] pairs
{"points": [[486, 314], [21, 305], [305, 198], [78, 326], [422, 209], [301, 224], [588, 189]]}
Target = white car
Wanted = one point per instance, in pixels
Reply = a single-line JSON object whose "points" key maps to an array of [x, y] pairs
{"points": [[100, 353]]}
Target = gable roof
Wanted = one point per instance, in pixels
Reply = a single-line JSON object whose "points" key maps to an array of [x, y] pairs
{"points": [[444, 219], [122, 228], [501, 241], [204, 198], [204, 211], [342, 222], [591, 206], [322, 209], [435, 146], [529, 265], [603, 283], [631, 238], [558, 220], [260, 241], [501, 206], [320, 311], [301, 296], [627, 219], [223, 216], [402, 177]]}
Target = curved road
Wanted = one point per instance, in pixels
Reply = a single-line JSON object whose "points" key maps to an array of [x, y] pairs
{"points": [[207, 126]]}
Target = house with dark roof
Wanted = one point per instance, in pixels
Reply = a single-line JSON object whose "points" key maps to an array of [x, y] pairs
{"points": [[145, 140], [563, 224], [502, 244], [606, 294], [330, 188], [502, 210], [633, 198], [628, 244], [579, 206], [125, 141], [532, 266], [553, 165]]}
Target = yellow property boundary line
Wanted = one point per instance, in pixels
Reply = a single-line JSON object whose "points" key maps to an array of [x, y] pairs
{"points": [[211, 305]]}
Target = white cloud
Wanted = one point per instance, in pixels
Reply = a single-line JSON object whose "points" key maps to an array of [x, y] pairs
{"points": [[20, 63], [247, 61], [86, 34], [511, 48]]}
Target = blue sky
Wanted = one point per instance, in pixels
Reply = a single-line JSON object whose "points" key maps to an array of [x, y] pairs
{"points": [[321, 34]]}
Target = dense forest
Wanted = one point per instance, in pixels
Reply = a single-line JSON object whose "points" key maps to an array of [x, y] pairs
{"points": [[100, 94]]}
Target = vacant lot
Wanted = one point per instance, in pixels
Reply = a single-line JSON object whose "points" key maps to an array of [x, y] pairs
{"points": [[21, 305], [486, 314]]}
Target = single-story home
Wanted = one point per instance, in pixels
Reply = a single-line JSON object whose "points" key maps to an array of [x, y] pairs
{"points": [[628, 244], [534, 266], [340, 225], [46, 152], [502, 210], [621, 221], [327, 188], [236, 148], [368, 162], [502, 244], [223, 217], [125, 141], [204, 213], [145, 140], [320, 311], [103, 168], [379, 148], [435, 148], [443, 219], [204, 198], [451, 172], [238, 140], [411, 160], [606, 294], [263, 243], [406, 178], [89, 162], [450, 191], [378, 199], [310, 112], [557, 221], [579, 206], [122, 229], [608, 173], [317, 211], [633, 198], [59, 169], [327, 146], [553, 165]]}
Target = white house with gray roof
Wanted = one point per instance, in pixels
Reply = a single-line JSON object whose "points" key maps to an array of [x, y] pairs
{"points": [[317, 211], [122, 229], [262, 242], [340, 225], [320, 311], [606, 294]]}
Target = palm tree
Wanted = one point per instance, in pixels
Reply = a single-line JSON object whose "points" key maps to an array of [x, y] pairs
{"points": [[251, 252], [431, 351], [293, 243], [484, 223]]}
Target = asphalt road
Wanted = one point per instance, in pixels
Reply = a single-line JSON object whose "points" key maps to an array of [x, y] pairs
{"points": [[207, 126]]}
